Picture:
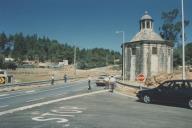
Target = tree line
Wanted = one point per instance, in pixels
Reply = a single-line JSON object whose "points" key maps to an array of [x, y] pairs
{"points": [[43, 49]]}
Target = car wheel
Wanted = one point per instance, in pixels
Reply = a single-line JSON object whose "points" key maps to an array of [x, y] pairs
{"points": [[147, 99], [190, 103]]}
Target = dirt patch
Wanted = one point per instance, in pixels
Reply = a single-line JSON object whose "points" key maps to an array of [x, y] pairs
{"points": [[16, 88], [156, 80], [126, 90], [37, 74]]}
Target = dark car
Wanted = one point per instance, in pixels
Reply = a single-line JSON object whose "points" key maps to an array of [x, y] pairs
{"points": [[172, 91]]}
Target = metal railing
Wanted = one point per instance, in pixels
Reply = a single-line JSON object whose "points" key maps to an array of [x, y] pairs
{"points": [[133, 86]]}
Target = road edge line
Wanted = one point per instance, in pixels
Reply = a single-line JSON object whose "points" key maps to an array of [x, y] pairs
{"points": [[48, 102]]}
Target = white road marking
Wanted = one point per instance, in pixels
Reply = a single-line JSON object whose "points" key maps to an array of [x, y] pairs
{"points": [[59, 120], [4, 95], [52, 114], [31, 91], [66, 111], [4, 106], [59, 116], [34, 100], [48, 102]]}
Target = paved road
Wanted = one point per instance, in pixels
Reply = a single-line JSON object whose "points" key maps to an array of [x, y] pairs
{"points": [[21, 98], [96, 109]]}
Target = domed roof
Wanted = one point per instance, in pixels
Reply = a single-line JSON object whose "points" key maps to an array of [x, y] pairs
{"points": [[146, 30], [146, 16], [146, 35]]}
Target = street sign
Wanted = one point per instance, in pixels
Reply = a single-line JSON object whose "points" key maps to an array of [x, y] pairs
{"points": [[141, 77], [2, 80]]}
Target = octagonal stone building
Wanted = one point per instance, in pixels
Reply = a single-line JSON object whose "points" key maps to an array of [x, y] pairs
{"points": [[147, 52]]}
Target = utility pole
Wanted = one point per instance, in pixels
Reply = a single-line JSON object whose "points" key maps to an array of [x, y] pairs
{"points": [[183, 41], [106, 64], [123, 52], [74, 59], [106, 60]]}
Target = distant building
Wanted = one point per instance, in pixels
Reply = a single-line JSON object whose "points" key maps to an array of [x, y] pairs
{"points": [[64, 63], [28, 62], [44, 65], [147, 52], [9, 59]]}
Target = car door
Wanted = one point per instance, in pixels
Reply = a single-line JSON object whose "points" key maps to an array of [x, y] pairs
{"points": [[175, 93], [161, 93]]}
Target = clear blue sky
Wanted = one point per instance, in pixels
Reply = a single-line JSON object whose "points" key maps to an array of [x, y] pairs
{"points": [[86, 23]]}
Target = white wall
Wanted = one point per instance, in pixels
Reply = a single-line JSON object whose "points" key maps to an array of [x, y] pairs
{"points": [[154, 65], [132, 70], [145, 55]]}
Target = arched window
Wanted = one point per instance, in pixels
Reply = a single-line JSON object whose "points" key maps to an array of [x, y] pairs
{"points": [[148, 24], [134, 51], [169, 52], [154, 50], [143, 24]]}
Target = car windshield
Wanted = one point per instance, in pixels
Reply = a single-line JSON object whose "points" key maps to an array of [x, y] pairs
{"points": [[166, 84]]}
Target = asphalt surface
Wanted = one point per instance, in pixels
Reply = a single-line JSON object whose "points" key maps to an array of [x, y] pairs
{"points": [[20, 98], [95, 109]]}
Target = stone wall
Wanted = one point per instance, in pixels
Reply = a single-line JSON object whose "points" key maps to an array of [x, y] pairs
{"points": [[146, 61]]}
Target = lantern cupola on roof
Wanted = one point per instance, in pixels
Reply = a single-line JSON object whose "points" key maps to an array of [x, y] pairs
{"points": [[146, 30], [146, 21]]}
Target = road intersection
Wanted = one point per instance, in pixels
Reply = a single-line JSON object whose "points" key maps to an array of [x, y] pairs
{"points": [[80, 108]]}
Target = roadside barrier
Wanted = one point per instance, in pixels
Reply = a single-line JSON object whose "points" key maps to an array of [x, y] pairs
{"points": [[36, 82], [140, 87]]}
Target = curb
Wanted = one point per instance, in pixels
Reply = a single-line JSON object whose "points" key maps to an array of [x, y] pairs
{"points": [[133, 97], [133, 86]]}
